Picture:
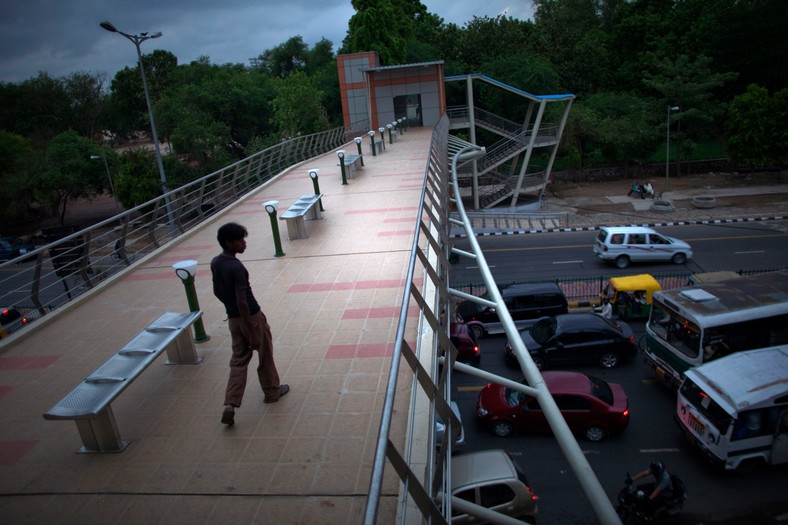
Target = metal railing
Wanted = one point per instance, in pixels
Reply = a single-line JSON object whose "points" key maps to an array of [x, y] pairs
{"points": [[426, 474], [74, 261]]}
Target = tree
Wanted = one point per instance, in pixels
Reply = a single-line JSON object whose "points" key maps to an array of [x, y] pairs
{"points": [[286, 58], [383, 26], [69, 173], [17, 162], [755, 127], [297, 107], [689, 83]]}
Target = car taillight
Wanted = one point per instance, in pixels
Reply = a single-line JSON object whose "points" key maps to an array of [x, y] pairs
{"points": [[534, 497], [625, 414], [24, 320], [475, 349], [632, 339]]}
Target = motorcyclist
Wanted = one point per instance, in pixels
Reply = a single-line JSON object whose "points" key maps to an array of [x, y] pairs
{"points": [[662, 490]]}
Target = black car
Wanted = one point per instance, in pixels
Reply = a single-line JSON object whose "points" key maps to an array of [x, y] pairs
{"points": [[574, 339], [11, 247], [526, 303]]}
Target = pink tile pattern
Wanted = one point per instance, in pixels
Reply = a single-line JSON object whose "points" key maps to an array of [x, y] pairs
{"points": [[333, 305]]}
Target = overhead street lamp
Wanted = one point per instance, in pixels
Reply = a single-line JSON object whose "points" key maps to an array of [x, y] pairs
{"points": [[137, 40], [667, 146]]}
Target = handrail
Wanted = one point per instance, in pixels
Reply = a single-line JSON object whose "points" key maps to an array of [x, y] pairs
{"points": [[72, 262], [427, 490]]}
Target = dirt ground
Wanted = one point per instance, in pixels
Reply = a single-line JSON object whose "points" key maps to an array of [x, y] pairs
{"points": [[691, 182]]}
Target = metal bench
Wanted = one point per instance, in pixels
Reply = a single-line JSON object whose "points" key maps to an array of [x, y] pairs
{"points": [[306, 208], [380, 145], [89, 403], [352, 163]]}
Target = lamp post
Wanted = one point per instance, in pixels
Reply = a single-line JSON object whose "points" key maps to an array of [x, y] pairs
{"points": [[357, 140], [372, 142], [109, 178], [313, 174], [186, 270], [667, 146], [270, 208], [137, 40], [341, 155]]}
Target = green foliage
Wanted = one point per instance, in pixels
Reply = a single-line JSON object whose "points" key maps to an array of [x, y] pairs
{"points": [[138, 179], [383, 26], [69, 173], [17, 159], [756, 127], [297, 107]]}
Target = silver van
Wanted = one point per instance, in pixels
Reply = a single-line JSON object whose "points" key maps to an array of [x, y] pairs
{"points": [[624, 244], [491, 479]]}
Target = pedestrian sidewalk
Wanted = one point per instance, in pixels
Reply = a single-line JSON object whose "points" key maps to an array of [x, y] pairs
{"points": [[332, 302]]}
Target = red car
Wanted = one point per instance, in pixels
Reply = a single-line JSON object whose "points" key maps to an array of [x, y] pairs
{"points": [[465, 341], [591, 407]]}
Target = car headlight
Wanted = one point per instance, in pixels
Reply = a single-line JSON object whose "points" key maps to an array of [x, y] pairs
{"points": [[482, 412]]}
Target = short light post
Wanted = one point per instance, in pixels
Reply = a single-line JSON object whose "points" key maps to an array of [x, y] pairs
{"points": [[186, 270], [357, 140], [137, 40], [382, 139], [391, 138], [372, 142], [270, 208], [109, 178], [316, 185], [341, 155], [667, 146]]}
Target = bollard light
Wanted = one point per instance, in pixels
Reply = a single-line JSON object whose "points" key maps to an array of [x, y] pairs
{"points": [[388, 127], [382, 139], [186, 270], [270, 208], [358, 145], [341, 155], [313, 175], [372, 142]]}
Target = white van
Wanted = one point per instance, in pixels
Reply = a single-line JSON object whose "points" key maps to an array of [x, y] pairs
{"points": [[735, 409], [625, 244]]}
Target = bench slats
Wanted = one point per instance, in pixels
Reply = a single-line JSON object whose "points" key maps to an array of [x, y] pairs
{"points": [[89, 403]]}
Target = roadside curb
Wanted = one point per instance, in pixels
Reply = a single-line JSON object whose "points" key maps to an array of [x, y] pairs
{"points": [[592, 228]]}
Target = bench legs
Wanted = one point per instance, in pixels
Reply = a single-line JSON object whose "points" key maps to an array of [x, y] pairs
{"points": [[296, 228], [100, 434], [182, 350]]}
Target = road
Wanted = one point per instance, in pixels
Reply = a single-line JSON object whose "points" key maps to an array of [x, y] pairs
{"points": [[713, 495], [759, 245]]}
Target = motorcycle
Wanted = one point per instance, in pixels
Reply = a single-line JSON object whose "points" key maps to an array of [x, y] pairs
{"points": [[635, 507]]}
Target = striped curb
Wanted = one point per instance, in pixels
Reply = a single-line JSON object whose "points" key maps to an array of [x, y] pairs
{"points": [[593, 228]]}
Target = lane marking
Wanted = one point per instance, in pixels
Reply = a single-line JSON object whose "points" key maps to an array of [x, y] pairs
{"points": [[657, 450], [751, 251], [476, 267], [568, 262]]}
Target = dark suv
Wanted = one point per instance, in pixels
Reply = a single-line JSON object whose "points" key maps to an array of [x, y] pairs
{"points": [[526, 303]]}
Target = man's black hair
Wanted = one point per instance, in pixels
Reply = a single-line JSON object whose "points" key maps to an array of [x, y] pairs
{"points": [[232, 231]]}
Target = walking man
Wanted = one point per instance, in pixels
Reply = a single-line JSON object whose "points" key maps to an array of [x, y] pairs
{"points": [[249, 330]]}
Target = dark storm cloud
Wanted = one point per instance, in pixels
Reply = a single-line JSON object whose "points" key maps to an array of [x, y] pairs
{"points": [[63, 37]]}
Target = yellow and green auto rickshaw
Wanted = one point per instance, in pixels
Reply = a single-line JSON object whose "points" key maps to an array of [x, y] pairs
{"points": [[631, 295]]}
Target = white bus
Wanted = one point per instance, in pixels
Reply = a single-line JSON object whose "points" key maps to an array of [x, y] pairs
{"points": [[693, 325], [735, 409]]}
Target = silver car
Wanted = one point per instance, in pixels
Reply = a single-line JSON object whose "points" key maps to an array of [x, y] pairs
{"points": [[490, 478], [625, 244]]}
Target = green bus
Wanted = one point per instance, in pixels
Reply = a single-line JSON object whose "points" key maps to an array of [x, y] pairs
{"points": [[693, 325]]}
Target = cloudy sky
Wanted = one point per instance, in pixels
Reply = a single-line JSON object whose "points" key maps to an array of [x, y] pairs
{"points": [[63, 36]]}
